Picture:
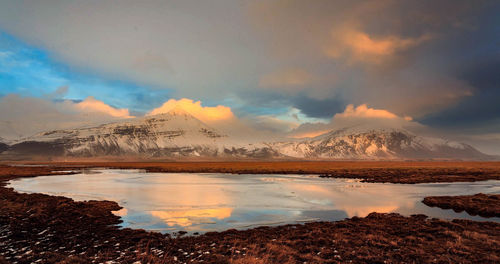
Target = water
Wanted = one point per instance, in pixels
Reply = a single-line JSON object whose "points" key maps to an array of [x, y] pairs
{"points": [[170, 202]]}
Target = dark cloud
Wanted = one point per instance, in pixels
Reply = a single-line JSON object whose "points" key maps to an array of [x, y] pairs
{"points": [[482, 108], [319, 108], [270, 102], [485, 75], [474, 59], [394, 55]]}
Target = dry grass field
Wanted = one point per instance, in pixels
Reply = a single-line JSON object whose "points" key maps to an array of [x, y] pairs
{"points": [[50, 229]]}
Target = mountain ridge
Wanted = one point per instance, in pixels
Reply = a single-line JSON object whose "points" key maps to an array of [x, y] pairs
{"points": [[178, 134], [377, 144]]}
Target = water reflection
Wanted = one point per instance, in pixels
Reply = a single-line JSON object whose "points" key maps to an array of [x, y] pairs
{"points": [[121, 212], [207, 202], [354, 199], [187, 218]]}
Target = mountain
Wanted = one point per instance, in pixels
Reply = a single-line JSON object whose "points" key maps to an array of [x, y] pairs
{"points": [[381, 143], [174, 134], [178, 134], [3, 146]]}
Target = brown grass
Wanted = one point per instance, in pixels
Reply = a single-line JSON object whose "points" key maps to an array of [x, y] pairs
{"points": [[486, 205], [90, 229], [369, 171]]}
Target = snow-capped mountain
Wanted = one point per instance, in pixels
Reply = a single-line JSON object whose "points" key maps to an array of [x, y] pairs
{"points": [[380, 143], [178, 134], [173, 134]]}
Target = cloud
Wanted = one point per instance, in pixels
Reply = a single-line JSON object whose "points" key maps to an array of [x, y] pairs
{"points": [[480, 108], [204, 113], [186, 218], [486, 142], [308, 134], [90, 104], [220, 117], [26, 116], [287, 79], [363, 51], [365, 48], [58, 93], [273, 124], [364, 112], [360, 116], [160, 44], [408, 54]]}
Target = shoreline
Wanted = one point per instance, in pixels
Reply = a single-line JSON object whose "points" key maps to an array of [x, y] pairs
{"points": [[51, 228], [485, 205], [366, 171]]}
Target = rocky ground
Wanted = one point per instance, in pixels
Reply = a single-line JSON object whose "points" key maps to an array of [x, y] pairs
{"points": [[37, 228], [486, 205]]}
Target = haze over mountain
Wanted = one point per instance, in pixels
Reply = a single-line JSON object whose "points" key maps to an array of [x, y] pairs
{"points": [[178, 134]]}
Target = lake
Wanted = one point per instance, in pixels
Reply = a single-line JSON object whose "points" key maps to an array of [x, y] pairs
{"points": [[199, 202]]}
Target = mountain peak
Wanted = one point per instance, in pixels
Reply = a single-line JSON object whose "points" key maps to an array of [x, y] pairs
{"points": [[179, 111]]}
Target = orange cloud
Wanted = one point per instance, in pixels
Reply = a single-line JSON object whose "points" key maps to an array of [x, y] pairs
{"points": [[187, 217], [121, 212], [204, 113], [354, 116], [363, 47], [90, 104], [364, 111], [286, 78], [310, 134]]}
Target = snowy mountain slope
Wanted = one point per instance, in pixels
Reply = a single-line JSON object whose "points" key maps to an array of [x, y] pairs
{"points": [[365, 143], [179, 134], [176, 133]]}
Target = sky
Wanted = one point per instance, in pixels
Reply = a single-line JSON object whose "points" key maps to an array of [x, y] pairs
{"points": [[291, 67]]}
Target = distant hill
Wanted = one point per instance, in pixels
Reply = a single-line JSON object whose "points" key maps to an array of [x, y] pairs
{"points": [[178, 134], [3, 146], [355, 143]]}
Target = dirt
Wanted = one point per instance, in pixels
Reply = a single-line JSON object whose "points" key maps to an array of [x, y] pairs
{"points": [[50, 229], [485, 205]]}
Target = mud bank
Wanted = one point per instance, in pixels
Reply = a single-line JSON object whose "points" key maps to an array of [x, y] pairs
{"points": [[479, 204], [50, 229]]}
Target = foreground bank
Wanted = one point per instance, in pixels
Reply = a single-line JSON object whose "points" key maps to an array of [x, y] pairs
{"points": [[48, 229]]}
